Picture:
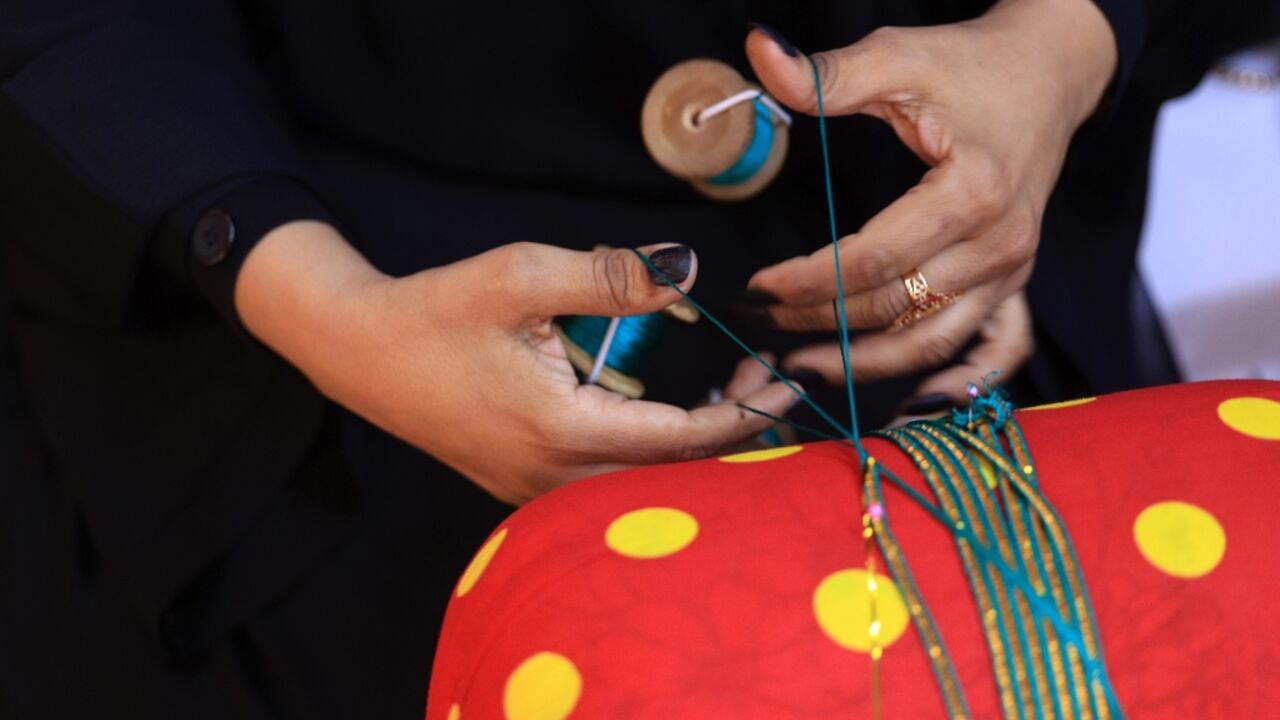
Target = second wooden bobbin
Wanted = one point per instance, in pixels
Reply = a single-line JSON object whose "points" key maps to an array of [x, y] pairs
{"points": [[699, 150]]}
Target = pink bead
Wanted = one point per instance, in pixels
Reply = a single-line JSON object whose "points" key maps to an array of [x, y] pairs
{"points": [[876, 511]]}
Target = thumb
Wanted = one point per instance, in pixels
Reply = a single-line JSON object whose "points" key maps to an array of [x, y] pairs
{"points": [[605, 282], [852, 76]]}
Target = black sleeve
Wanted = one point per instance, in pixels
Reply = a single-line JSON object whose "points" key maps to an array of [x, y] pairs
{"points": [[137, 121], [1128, 19]]}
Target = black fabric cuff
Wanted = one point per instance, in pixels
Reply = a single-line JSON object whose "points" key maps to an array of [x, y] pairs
{"points": [[206, 240], [1128, 21]]}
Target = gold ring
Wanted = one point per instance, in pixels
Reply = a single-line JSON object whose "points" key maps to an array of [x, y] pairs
{"points": [[924, 302]]}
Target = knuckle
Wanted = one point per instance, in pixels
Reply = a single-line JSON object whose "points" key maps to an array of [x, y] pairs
{"points": [[985, 187], [888, 38], [1017, 243], [901, 49], [936, 349], [518, 266], [886, 306], [873, 267], [807, 320], [612, 278]]}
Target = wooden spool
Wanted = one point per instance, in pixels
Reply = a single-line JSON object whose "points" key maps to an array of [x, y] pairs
{"points": [[612, 378], [695, 151]]}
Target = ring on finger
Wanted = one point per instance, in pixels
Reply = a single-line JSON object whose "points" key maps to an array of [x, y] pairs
{"points": [[924, 302]]}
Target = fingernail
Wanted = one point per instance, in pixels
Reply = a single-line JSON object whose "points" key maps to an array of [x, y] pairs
{"points": [[753, 297], [778, 38], [804, 377], [753, 315], [674, 262], [928, 404]]}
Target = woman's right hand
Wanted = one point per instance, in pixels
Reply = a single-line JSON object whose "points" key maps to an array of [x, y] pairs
{"points": [[460, 360]]}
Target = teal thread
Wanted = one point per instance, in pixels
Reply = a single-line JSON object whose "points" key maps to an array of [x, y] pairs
{"points": [[835, 249], [757, 150], [804, 397], [633, 341]]}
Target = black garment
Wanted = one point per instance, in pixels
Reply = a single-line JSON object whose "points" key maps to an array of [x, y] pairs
{"points": [[190, 504]]}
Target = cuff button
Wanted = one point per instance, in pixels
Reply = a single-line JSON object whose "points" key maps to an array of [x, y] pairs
{"points": [[212, 238]]}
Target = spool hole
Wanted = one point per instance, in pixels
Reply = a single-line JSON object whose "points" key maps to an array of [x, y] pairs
{"points": [[691, 119]]}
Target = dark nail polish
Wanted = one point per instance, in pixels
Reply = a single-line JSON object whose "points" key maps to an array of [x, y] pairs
{"points": [[674, 262], [806, 378], [752, 297], [928, 404], [753, 315], [777, 37]]}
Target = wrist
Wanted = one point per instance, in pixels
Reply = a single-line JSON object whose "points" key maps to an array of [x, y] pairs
{"points": [[1076, 43], [301, 291]]}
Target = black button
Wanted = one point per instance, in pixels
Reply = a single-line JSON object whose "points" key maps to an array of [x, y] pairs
{"points": [[212, 239]]}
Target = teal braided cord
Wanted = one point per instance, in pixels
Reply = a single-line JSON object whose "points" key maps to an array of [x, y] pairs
{"points": [[1098, 666], [903, 438], [885, 539], [1069, 629]]}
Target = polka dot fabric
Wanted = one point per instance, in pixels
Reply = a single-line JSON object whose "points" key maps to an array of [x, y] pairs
{"points": [[736, 587]]}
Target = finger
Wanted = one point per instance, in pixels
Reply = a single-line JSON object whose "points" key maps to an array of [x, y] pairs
{"points": [[749, 376], [927, 343], [852, 76], [543, 280], [933, 217], [1006, 345], [642, 432], [958, 268]]}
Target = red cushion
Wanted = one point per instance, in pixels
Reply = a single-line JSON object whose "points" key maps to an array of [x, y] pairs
{"points": [[724, 624]]}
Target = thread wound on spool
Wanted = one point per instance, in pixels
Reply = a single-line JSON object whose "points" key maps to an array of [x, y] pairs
{"points": [[757, 150], [632, 345]]}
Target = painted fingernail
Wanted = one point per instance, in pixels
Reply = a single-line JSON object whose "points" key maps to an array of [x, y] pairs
{"points": [[753, 315], [928, 404], [778, 38], [805, 377], [673, 262], [753, 297]]}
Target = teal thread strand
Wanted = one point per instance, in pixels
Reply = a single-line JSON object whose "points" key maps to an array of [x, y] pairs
{"points": [[785, 421], [835, 249], [747, 348]]}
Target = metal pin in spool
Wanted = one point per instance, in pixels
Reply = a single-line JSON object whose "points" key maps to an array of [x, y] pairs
{"points": [[594, 364], [711, 153]]}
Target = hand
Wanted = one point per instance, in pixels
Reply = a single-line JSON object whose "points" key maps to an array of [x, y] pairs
{"points": [[990, 105], [460, 360], [1005, 342]]}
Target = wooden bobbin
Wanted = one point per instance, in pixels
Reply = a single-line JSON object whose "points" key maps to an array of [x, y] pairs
{"points": [[611, 378], [696, 151]]}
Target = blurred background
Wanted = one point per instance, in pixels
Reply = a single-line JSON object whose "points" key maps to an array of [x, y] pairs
{"points": [[1210, 251]]}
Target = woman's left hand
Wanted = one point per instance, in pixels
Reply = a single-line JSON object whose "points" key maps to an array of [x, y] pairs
{"points": [[991, 105]]}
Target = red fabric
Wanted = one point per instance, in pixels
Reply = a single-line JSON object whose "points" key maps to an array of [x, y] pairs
{"points": [[725, 628]]}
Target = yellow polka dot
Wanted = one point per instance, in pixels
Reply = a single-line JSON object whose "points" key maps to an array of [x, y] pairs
{"points": [[455, 712], [651, 532], [545, 686], [842, 605], [762, 455], [1180, 539], [481, 561], [1253, 416], [1063, 404]]}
